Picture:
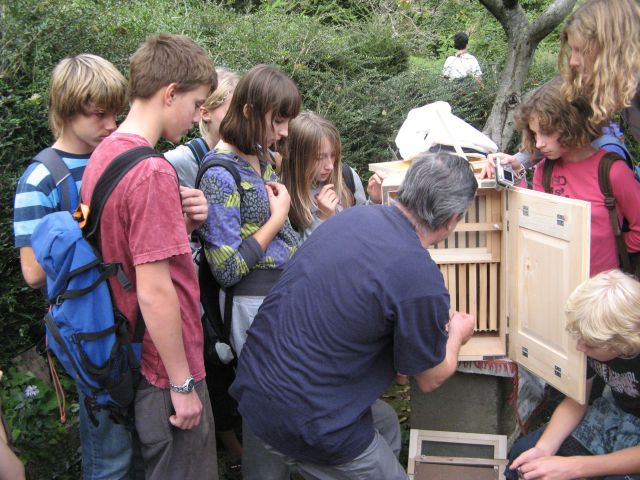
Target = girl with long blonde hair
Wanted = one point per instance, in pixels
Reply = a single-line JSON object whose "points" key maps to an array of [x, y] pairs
{"points": [[600, 60], [313, 172]]}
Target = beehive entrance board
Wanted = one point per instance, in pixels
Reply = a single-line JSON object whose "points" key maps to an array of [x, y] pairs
{"points": [[512, 263], [435, 455]]}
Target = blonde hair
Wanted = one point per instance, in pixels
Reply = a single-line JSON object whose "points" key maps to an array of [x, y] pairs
{"points": [[604, 312], [303, 146], [227, 81], [166, 58], [610, 31], [555, 114], [80, 83]]}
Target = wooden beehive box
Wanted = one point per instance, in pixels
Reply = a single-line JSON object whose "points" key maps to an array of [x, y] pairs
{"points": [[512, 262], [435, 455]]}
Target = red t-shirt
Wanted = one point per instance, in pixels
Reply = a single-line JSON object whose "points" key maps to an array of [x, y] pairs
{"points": [[142, 222], [579, 180]]}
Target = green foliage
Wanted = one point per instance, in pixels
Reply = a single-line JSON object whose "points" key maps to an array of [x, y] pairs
{"points": [[47, 447]]}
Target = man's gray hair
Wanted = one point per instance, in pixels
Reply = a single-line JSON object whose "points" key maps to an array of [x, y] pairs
{"points": [[437, 186]]}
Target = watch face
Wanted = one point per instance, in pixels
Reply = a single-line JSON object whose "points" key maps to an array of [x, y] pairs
{"points": [[186, 387]]}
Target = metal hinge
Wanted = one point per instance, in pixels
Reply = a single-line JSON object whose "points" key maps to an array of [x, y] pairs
{"points": [[525, 210], [560, 220]]}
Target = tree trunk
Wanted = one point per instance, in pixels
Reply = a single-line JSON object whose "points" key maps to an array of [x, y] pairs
{"points": [[523, 37]]}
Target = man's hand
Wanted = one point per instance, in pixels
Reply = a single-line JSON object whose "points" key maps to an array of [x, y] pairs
{"points": [[194, 207], [374, 188], [327, 201], [188, 409], [461, 325]]}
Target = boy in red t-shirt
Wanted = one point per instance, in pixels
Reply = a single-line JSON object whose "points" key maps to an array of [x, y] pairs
{"points": [[143, 227]]}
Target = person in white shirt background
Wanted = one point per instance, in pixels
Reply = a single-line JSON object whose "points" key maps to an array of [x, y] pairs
{"points": [[462, 64]]}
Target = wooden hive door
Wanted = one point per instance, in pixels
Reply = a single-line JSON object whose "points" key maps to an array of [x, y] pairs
{"points": [[547, 257]]}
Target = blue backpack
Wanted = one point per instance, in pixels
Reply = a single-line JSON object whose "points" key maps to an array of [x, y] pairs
{"points": [[87, 335]]}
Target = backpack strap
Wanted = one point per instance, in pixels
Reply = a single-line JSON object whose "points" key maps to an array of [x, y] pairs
{"points": [[228, 165], [199, 148], [67, 190], [547, 172], [604, 180], [107, 182], [347, 176], [215, 326]]}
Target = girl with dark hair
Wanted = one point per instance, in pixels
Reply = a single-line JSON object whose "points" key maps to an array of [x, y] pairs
{"points": [[247, 236]]}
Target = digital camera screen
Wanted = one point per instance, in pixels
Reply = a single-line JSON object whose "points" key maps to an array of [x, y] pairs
{"points": [[508, 176]]}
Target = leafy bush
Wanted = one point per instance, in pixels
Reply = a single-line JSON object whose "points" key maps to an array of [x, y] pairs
{"points": [[47, 447]]}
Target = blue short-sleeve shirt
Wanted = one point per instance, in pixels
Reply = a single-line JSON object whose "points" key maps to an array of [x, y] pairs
{"points": [[37, 195], [360, 301]]}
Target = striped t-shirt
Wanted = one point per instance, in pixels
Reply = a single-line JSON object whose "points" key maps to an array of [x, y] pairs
{"points": [[37, 195]]}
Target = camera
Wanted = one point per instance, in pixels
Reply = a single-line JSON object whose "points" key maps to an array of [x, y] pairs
{"points": [[505, 175]]}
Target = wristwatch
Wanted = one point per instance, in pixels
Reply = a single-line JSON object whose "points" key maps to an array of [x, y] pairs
{"points": [[186, 387]]}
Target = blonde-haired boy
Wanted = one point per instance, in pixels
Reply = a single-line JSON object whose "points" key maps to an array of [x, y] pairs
{"points": [[86, 92], [143, 227], [85, 95], [602, 439]]}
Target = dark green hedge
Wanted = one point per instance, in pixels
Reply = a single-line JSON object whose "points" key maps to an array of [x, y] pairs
{"points": [[356, 74]]}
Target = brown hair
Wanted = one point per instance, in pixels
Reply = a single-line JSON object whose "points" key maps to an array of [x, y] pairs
{"points": [[610, 31], [82, 82], [264, 89], [569, 119], [164, 59], [306, 133]]}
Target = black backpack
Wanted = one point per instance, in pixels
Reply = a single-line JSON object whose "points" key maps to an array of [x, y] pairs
{"points": [[216, 327], [629, 262]]}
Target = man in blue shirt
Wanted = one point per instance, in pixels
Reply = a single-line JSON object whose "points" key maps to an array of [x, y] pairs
{"points": [[361, 301]]}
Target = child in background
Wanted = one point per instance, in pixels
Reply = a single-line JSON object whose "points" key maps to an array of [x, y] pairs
{"points": [[247, 235], [187, 158], [85, 95], [600, 60], [563, 133], [313, 173], [602, 439]]}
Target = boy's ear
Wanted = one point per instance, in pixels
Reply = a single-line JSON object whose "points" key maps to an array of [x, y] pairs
{"points": [[169, 94], [205, 114], [245, 110]]}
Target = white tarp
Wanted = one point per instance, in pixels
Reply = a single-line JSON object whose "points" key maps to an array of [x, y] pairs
{"points": [[435, 124]]}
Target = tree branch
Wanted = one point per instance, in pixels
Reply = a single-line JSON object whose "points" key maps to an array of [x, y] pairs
{"points": [[508, 12], [551, 18]]}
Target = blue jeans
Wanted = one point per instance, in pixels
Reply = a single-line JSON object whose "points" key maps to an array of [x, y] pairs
{"points": [[107, 449], [568, 448]]}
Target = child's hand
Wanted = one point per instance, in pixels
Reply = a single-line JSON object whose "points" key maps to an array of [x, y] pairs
{"points": [[279, 200], [489, 170], [374, 188], [327, 201], [194, 207], [551, 468]]}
